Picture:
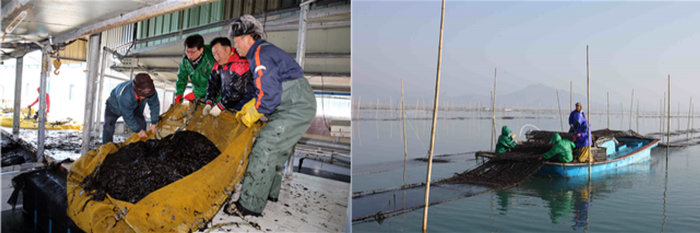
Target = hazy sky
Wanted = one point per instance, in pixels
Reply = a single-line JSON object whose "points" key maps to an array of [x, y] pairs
{"points": [[632, 45]]}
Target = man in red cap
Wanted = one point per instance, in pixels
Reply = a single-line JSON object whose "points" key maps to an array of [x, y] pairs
{"points": [[37, 101], [128, 100]]}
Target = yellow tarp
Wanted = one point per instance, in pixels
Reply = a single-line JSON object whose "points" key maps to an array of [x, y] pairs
{"points": [[183, 206], [34, 124]]}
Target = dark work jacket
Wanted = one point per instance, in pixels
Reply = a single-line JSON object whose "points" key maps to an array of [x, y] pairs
{"points": [[271, 67], [230, 84], [123, 102]]}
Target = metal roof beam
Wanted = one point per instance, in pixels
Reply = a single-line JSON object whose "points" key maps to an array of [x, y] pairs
{"points": [[313, 14], [11, 10], [129, 18], [287, 27]]}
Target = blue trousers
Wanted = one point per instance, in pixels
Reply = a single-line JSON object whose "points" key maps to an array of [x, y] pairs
{"points": [[111, 119]]}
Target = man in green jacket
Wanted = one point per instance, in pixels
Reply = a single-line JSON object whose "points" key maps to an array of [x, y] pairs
{"points": [[505, 141], [562, 149], [195, 66]]}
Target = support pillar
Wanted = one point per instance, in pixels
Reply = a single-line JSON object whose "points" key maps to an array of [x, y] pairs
{"points": [[93, 66], [301, 39], [45, 72], [18, 96]]}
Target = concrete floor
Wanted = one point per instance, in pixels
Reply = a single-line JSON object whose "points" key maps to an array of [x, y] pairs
{"points": [[306, 204]]}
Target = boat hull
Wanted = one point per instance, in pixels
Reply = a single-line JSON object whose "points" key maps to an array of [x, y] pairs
{"points": [[579, 169]]}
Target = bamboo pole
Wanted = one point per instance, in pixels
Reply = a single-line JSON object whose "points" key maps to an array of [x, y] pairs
{"points": [[631, 107], [661, 108], [376, 113], [588, 109], [435, 110], [358, 107], [690, 105], [493, 104], [391, 116], [668, 135], [637, 115], [663, 114], [561, 120], [405, 150], [608, 109]]}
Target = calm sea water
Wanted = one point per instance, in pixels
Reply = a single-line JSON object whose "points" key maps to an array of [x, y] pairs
{"points": [[653, 196]]}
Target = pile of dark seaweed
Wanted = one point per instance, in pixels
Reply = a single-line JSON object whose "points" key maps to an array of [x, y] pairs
{"points": [[140, 168]]}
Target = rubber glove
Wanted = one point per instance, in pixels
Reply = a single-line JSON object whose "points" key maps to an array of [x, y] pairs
{"points": [[206, 110], [216, 111], [539, 159], [245, 108], [178, 98], [250, 115], [513, 136]]}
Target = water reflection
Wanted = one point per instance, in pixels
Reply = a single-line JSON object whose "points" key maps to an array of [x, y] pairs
{"points": [[571, 198]]}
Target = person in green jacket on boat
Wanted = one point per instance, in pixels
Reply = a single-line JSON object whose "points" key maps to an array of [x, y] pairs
{"points": [[195, 66], [562, 149], [505, 141]]}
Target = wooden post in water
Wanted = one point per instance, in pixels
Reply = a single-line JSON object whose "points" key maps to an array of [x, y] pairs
{"points": [[608, 110], [561, 121], [637, 115], [435, 111], [668, 135], [663, 114], [690, 106], [588, 109], [405, 150], [493, 117], [376, 113], [358, 107], [631, 107]]}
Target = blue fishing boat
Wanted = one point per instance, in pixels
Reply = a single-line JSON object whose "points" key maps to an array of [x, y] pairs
{"points": [[626, 151]]}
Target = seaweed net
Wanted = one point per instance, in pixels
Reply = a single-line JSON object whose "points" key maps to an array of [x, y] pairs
{"points": [[502, 171], [140, 168]]}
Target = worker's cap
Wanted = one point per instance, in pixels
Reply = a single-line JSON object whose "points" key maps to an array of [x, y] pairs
{"points": [[245, 25], [143, 85], [578, 104]]}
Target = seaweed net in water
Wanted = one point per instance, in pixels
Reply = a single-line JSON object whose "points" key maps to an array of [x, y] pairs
{"points": [[507, 169], [502, 171], [138, 169]]}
